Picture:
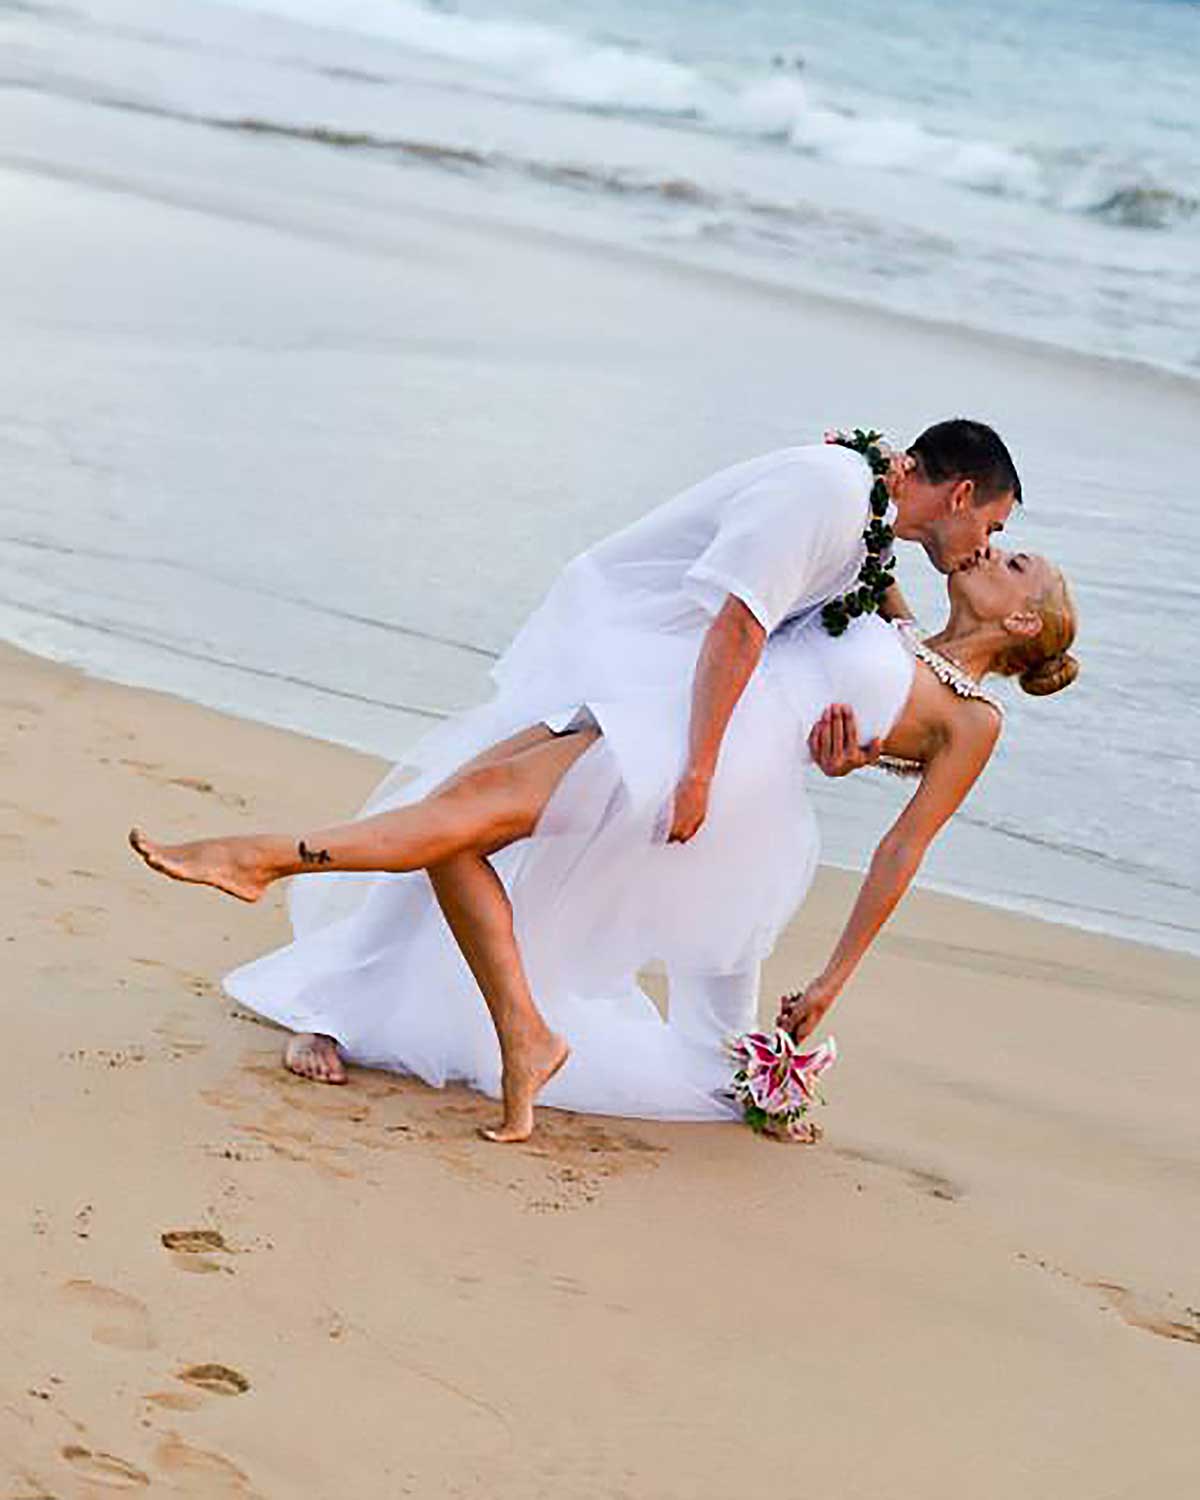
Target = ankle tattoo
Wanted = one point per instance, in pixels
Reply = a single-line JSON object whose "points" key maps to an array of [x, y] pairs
{"points": [[313, 856]]}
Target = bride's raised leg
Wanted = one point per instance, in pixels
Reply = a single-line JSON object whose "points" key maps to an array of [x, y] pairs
{"points": [[487, 804], [479, 914]]}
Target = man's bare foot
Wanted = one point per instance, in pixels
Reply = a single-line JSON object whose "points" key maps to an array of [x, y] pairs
{"points": [[237, 866], [526, 1073], [310, 1055]]}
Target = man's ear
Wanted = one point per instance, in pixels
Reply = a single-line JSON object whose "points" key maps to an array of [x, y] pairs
{"points": [[1026, 622], [962, 495]]}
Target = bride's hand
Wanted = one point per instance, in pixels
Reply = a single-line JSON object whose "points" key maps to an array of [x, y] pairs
{"points": [[690, 807], [800, 1015]]}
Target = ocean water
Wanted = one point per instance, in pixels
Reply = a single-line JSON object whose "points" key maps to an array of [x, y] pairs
{"points": [[303, 408], [1031, 169]]}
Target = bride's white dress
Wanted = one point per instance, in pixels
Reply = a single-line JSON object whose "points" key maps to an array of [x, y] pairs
{"points": [[597, 892]]}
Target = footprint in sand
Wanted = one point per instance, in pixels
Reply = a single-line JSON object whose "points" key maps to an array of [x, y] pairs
{"points": [[193, 1249], [178, 1032], [196, 1471], [104, 1469], [219, 1379], [176, 1400], [28, 816], [234, 1150], [82, 921], [199, 784], [1150, 1314], [922, 1178], [1140, 1312], [117, 1320], [150, 769], [194, 1241]]}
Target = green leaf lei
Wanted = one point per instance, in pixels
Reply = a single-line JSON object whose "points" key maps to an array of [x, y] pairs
{"points": [[875, 575]]}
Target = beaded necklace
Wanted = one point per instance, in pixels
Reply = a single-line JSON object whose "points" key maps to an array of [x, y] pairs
{"points": [[944, 670]]}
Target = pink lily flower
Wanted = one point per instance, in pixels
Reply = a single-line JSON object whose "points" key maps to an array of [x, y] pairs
{"points": [[775, 1075]]}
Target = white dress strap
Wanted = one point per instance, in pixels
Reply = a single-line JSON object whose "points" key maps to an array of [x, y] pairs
{"points": [[944, 670]]}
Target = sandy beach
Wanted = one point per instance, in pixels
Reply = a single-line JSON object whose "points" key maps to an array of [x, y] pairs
{"points": [[220, 1281], [318, 370]]}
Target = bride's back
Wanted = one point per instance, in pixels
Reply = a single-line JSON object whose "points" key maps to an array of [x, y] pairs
{"points": [[868, 668]]}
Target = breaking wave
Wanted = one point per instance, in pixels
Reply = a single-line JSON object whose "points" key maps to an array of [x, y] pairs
{"points": [[552, 65], [1145, 206]]}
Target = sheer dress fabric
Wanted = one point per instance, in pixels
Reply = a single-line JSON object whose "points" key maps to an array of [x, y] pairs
{"points": [[597, 892]]}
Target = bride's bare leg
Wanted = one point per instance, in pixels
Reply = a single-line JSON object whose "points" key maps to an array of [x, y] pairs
{"points": [[479, 914], [315, 1056], [486, 805]]}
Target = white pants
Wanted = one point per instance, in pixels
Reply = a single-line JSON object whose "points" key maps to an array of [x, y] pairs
{"points": [[710, 1007]]}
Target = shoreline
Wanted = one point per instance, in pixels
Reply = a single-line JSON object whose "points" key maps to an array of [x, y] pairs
{"points": [[69, 681], [199, 1248], [1087, 922], [846, 877], [746, 277], [757, 279]]}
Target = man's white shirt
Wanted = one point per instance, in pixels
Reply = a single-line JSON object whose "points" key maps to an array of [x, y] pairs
{"points": [[782, 533]]}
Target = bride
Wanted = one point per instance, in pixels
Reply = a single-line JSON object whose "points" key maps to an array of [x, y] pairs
{"points": [[550, 856]]}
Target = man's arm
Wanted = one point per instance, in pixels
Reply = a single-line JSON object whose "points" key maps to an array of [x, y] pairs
{"points": [[895, 605], [731, 650], [788, 533], [833, 743]]}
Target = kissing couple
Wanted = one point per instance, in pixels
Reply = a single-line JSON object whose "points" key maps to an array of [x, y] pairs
{"points": [[633, 793]]}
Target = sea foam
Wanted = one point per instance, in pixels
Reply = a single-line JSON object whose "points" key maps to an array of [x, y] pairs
{"points": [[549, 63]]}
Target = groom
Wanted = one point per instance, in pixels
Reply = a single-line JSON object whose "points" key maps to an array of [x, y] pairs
{"points": [[792, 539]]}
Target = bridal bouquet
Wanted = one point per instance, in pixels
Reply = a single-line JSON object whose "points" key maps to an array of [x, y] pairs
{"points": [[774, 1082]]}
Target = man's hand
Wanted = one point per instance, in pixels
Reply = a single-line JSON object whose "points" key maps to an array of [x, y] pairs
{"points": [[833, 743], [690, 806]]}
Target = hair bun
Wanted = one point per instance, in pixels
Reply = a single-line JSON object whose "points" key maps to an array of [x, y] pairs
{"points": [[1050, 676]]}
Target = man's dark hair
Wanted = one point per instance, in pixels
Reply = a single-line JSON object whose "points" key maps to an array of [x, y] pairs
{"points": [[962, 449]]}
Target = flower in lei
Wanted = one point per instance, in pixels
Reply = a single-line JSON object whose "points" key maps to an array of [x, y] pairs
{"points": [[774, 1082], [875, 575]]}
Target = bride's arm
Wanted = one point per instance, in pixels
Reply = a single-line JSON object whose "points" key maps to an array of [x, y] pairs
{"points": [[949, 775]]}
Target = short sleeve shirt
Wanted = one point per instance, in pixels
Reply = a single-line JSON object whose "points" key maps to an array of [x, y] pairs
{"points": [[788, 539], [782, 532]]}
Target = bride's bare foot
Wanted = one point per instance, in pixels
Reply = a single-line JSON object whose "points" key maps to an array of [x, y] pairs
{"points": [[238, 866], [527, 1071], [316, 1057]]}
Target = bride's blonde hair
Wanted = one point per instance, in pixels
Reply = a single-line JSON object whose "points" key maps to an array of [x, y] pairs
{"points": [[1043, 663]]}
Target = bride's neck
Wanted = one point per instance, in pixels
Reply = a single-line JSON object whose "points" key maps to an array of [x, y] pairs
{"points": [[967, 644]]}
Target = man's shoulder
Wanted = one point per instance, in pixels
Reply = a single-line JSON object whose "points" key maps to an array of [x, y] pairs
{"points": [[835, 479], [822, 464], [828, 461]]}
